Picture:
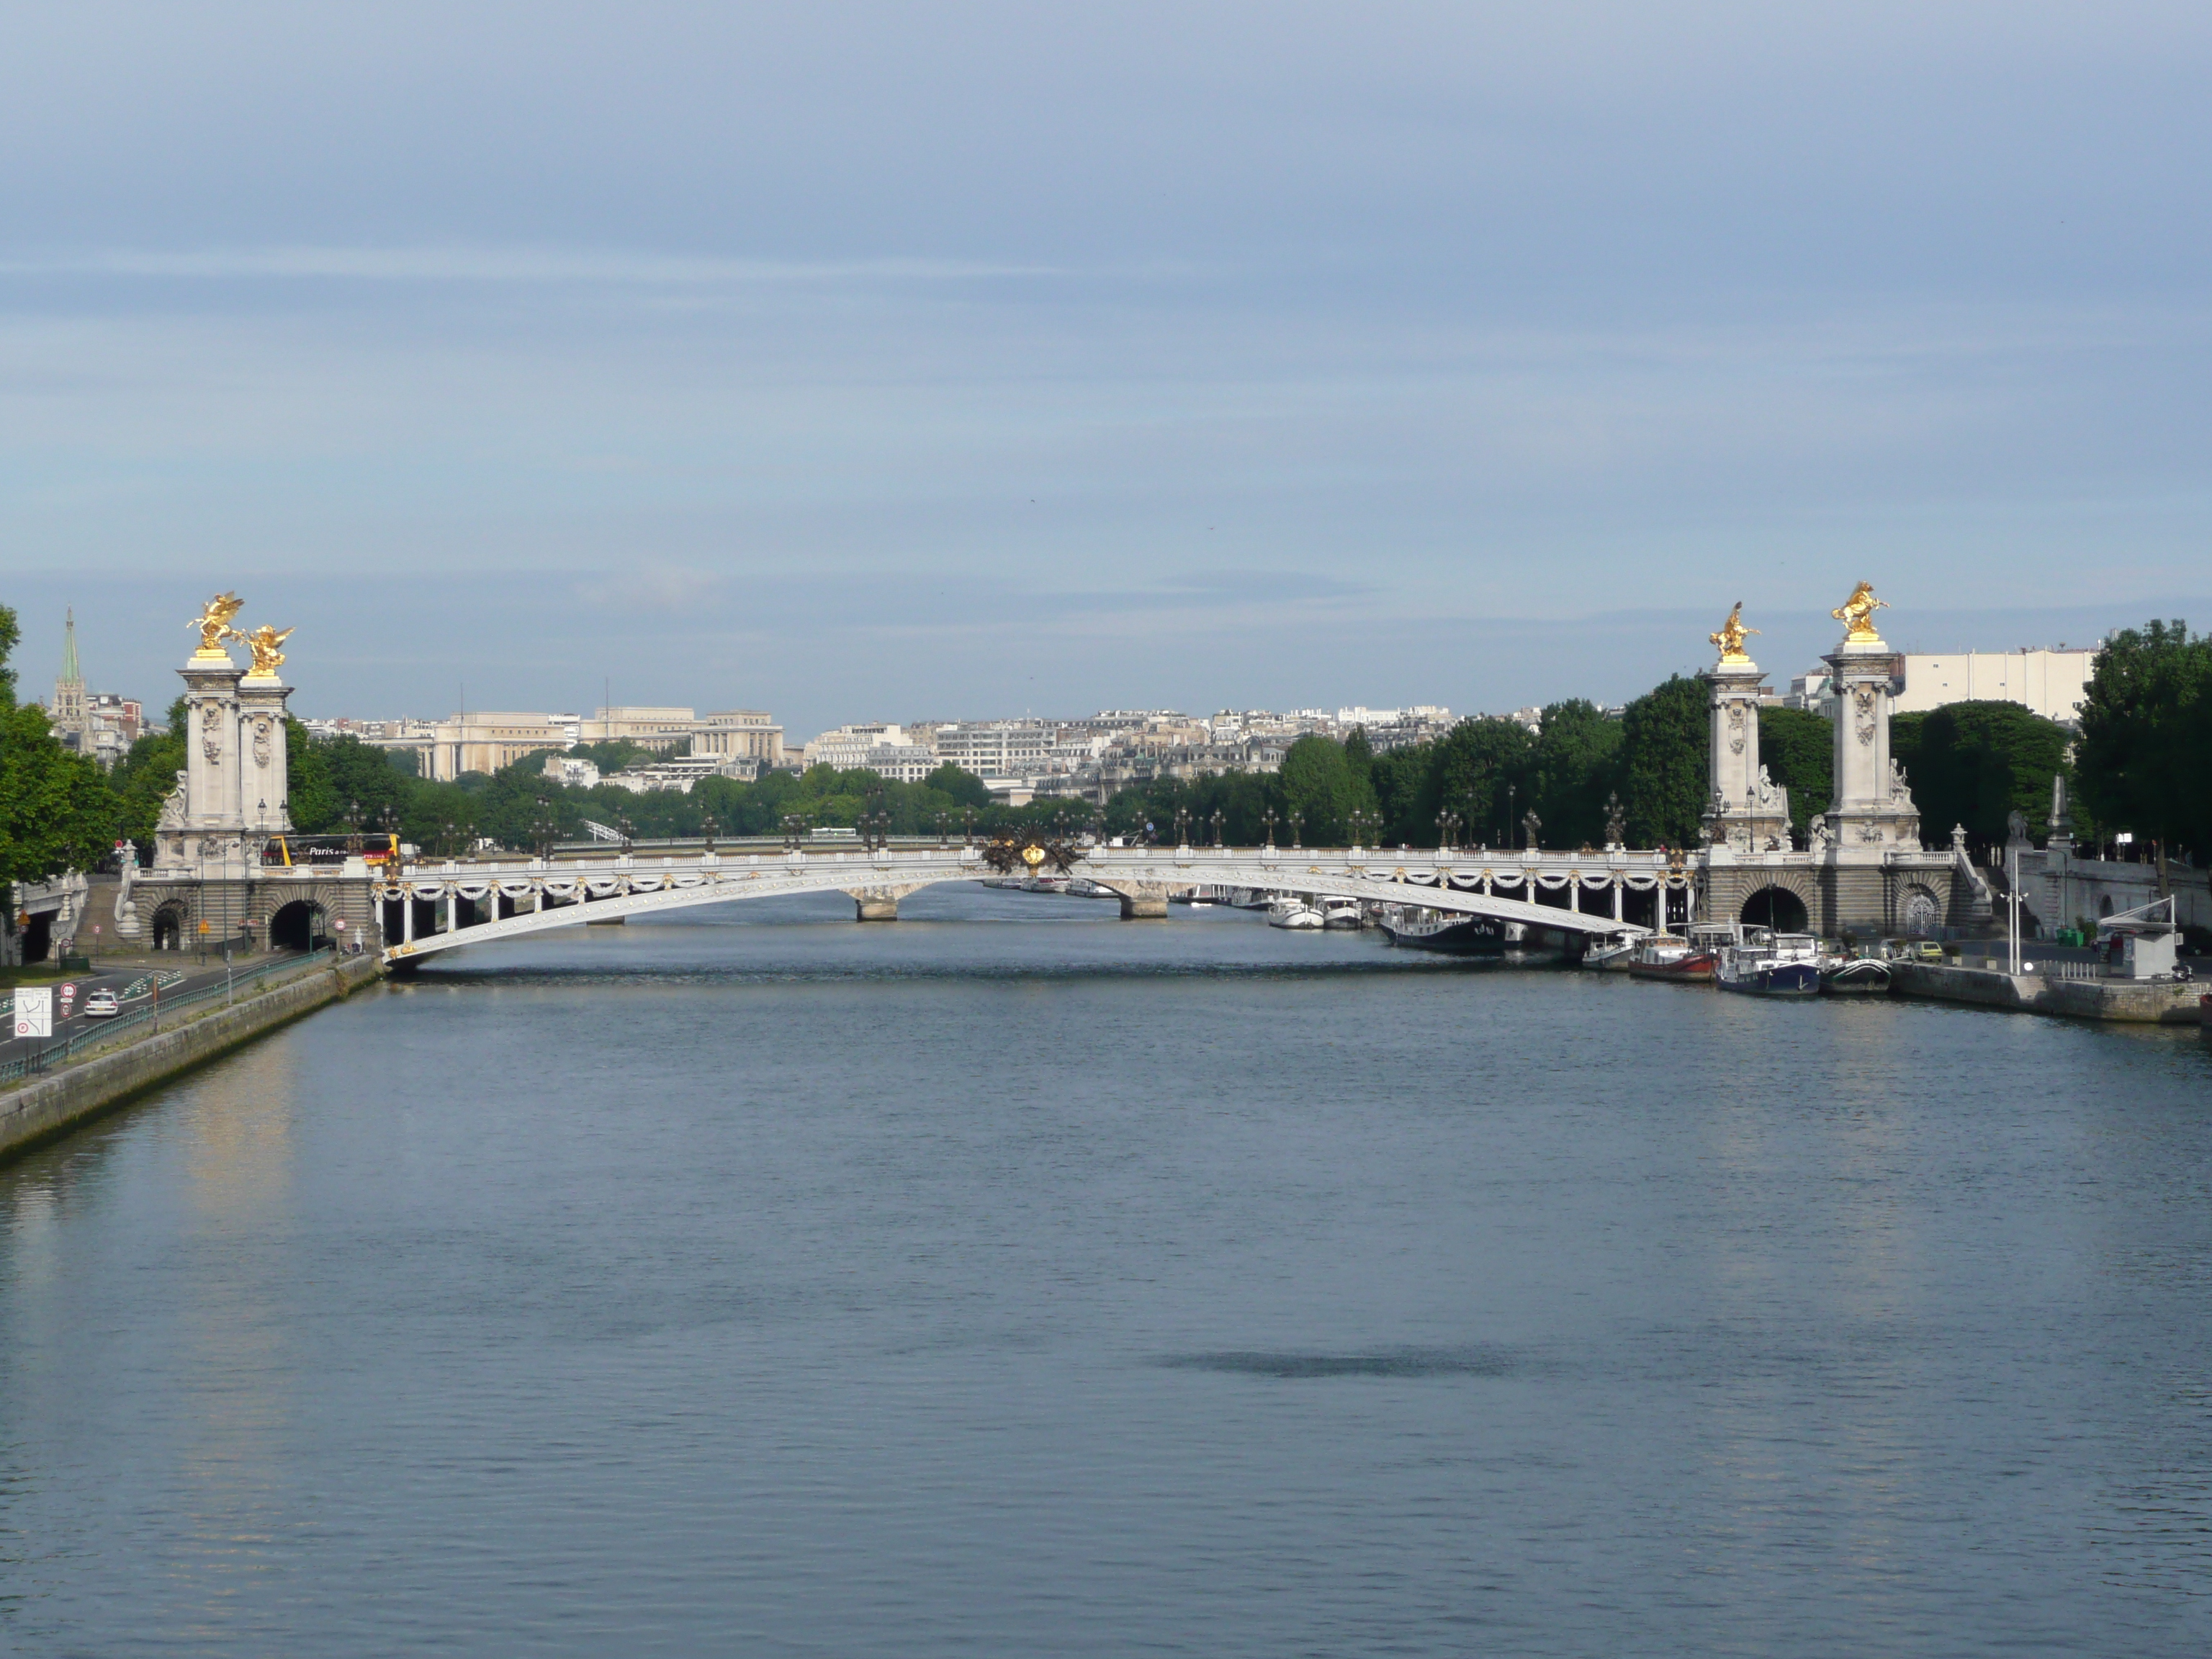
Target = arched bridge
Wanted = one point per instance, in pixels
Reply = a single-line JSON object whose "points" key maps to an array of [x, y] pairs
{"points": [[432, 908]]}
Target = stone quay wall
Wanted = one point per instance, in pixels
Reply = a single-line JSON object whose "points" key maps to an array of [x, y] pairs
{"points": [[43, 1107]]}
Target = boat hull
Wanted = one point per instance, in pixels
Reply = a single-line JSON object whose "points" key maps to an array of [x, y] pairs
{"points": [[1478, 936], [1857, 979], [1689, 971], [1788, 979]]}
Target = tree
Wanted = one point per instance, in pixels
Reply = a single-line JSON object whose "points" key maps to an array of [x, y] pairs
{"points": [[961, 786], [1665, 744], [1798, 748], [144, 777], [1571, 769], [56, 810], [1976, 763], [1319, 785], [2145, 761]]}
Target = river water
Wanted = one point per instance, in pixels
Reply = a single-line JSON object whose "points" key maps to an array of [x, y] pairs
{"points": [[1015, 1280]]}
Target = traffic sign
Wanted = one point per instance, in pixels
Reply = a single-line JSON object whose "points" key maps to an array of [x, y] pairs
{"points": [[34, 1011]]}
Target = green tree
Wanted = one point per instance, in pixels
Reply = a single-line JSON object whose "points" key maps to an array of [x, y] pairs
{"points": [[1665, 744], [1571, 769], [57, 812], [1798, 748], [1976, 763], [959, 785], [2145, 760], [1319, 785], [144, 777]]}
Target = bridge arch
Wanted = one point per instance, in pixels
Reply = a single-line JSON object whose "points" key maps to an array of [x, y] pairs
{"points": [[1920, 912], [302, 924], [1776, 905], [426, 902], [169, 926]]}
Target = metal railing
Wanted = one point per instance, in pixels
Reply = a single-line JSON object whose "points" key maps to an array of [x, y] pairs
{"points": [[92, 1038]]}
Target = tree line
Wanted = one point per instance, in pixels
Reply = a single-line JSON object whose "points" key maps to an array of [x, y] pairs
{"points": [[2142, 762]]}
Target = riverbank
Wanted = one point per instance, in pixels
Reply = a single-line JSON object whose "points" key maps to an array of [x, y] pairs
{"points": [[57, 1101], [2134, 1002]]}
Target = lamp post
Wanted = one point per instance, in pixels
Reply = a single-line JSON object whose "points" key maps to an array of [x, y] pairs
{"points": [[944, 830], [1182, 826], [1297, 822], [710, 826], [1269, 819], [967, 826], [1217, 826]]}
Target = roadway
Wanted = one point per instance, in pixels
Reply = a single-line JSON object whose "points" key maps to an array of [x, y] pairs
{"points": [[132, 986]]}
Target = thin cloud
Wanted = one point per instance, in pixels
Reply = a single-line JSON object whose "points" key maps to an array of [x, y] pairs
{"points": [[500, 264]]}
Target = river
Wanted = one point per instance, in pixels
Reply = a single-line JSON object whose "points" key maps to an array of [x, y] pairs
{"points": [[1015, 1280]]}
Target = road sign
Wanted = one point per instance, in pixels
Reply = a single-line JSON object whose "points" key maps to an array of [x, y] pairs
{"points": [[34, 1011], [204, 928]]}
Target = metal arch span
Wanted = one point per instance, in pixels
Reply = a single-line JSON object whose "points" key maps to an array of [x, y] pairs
{"points": [[625, 887]]}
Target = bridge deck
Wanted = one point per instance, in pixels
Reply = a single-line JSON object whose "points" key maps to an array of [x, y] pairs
{"points": [[566, 893]]}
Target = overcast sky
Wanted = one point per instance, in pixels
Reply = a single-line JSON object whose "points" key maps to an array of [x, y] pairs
{"points": [[872, 361]]}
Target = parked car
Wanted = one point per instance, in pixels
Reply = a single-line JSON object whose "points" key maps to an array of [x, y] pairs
{"points": [[101, 1004]]}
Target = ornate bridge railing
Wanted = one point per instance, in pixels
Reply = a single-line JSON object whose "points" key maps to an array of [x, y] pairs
{"points": [[532, 895]]}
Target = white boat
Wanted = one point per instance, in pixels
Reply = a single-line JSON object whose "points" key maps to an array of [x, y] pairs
{"points": [[1341, 913], [1288, 910]]}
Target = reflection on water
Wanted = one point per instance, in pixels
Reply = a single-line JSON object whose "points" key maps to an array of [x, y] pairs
{"points": [[1017, 1280]]}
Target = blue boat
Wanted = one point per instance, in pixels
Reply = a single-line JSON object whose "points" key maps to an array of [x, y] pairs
{"points": [[1764, 963]]}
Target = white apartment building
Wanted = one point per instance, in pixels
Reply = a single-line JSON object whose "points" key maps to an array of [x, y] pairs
{"points": [[849, 748], [996, 749], [2053, 684]]}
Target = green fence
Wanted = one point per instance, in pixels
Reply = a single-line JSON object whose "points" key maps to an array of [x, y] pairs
{"points": [[156, 1009]]}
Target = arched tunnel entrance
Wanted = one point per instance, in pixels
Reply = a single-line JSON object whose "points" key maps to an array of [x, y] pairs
{"points": [[38, 936], [300, 926], [1777, 908]]}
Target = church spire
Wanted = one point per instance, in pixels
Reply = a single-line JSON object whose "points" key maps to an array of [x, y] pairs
{"points": [[70, 675]]}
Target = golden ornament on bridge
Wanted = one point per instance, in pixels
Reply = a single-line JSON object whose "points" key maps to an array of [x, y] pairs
{"points": [[214, 622], [264, 640], [1731, 637], [1856, 614]]}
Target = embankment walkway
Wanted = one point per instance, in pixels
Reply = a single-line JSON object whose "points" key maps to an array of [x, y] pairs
{"points": [[77, 1088]]}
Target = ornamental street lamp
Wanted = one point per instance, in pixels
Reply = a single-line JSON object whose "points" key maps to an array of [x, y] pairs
{"points": [[1182, 826], [710, 826], [1217, 826], [1298, 821], [1269, 819], [944, 830], [968, 826]]}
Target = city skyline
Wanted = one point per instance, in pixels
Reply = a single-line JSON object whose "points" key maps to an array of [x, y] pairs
{"points": [[1489, 666]]}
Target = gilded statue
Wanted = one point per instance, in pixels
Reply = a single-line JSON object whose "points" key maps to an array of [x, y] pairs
{"points": [[1856, 614], [1732, 635], [264, 640], [214, 624]]}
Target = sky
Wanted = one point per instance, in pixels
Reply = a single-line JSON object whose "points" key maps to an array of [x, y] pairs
{"points": [[881, 362]]}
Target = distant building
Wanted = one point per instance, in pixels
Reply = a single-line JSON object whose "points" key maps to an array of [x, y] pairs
{"points": [[572, 771], [2051, 682], [98, 723], [649, 728], [678, 776], [854, 748], [486, 741], [740, 734]]}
